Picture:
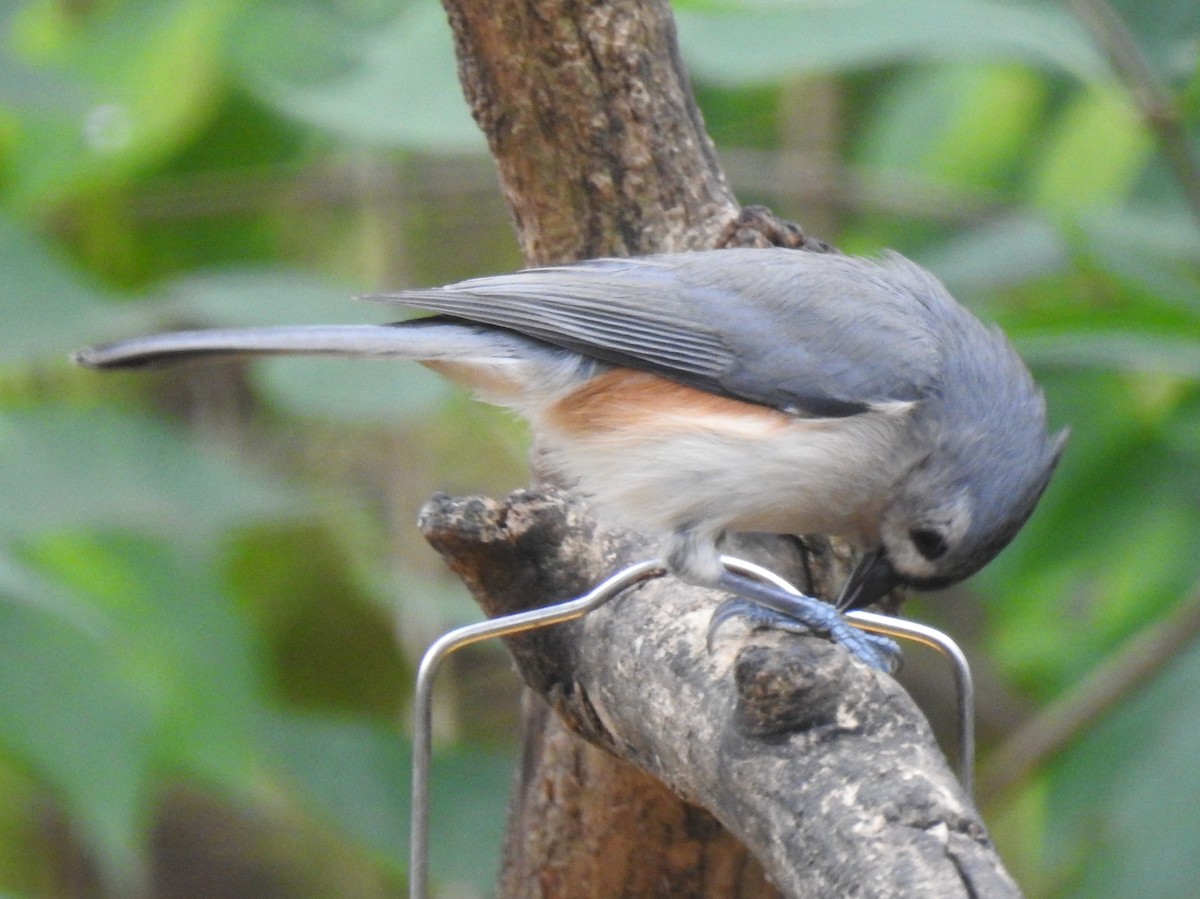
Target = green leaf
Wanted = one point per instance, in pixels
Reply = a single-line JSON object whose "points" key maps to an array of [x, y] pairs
{"points": [[1123, 828], [20, 583], [121, 661], [128, 104], [1092, 159], [392, 81], [358, 776], [1163, 30], [1169, 233], [330, 646], [965, 124], [69, 713], [748, 43], [376, 391], [469, 802], [68, 468], [1129, 350], [980, 260], [1108, 545], [183, 645], [47, 307], [24, 86], [1151, 252], [352, 772], [231, 297]]}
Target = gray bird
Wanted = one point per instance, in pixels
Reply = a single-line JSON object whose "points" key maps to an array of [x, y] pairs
{"points": [[699, 394]]}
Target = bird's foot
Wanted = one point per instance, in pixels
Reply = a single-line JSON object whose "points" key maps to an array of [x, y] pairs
{"points": [[765, 606]]}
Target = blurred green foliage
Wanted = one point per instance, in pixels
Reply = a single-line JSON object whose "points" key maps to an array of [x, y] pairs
{"points": [[211, 589]]}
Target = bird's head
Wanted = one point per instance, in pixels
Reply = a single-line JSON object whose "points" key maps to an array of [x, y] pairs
{"points": [[952, 514]]}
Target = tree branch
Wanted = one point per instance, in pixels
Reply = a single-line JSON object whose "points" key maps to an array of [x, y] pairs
{"points": [[1059, 724], [1158, 108], [823, 769]]}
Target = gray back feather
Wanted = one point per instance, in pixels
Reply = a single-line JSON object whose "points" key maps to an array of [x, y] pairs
{"points": [[809, 332]]}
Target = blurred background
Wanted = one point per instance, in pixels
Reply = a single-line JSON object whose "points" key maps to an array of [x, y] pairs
{"points": [[212, 590]]}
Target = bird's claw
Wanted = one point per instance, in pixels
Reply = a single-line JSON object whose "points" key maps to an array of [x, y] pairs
{"points": [[804, 615]]}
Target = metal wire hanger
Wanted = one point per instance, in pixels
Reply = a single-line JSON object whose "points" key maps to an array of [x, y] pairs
{"points": [[507, 625]]}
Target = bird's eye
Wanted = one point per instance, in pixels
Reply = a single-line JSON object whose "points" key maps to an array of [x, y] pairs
{"points": [[929, 543]]}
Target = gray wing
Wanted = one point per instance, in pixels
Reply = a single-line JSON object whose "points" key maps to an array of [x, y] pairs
{"points": [[818, 334]]}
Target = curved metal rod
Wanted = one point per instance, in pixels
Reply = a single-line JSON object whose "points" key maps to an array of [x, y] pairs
{"points": [[963, 683], [507, 625]]}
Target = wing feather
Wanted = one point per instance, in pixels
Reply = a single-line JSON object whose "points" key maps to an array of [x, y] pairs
{"points": [[817, 333]]}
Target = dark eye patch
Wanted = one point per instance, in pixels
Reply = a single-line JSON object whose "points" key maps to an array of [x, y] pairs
{"points": [[929, 543]]}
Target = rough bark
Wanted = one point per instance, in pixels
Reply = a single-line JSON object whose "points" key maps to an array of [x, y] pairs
{"points": [[823, 777], [599, 143], [635, 171], [825, 772]]}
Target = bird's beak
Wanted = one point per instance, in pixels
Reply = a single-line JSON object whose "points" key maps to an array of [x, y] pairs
{"points": [[872, 578]]}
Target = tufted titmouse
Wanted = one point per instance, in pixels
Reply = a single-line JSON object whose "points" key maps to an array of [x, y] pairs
{"points": [[696, 394]]}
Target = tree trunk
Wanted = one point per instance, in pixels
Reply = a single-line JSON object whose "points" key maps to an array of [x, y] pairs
{"points": [[772, 764], [600, 146]]}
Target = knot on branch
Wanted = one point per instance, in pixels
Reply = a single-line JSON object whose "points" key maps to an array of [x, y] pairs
{"points": [[788, 686], [758, 226], [510, 552]]}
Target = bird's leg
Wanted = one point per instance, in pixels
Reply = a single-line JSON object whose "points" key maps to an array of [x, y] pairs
{"points": [[763, 605], [691, 552]]}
